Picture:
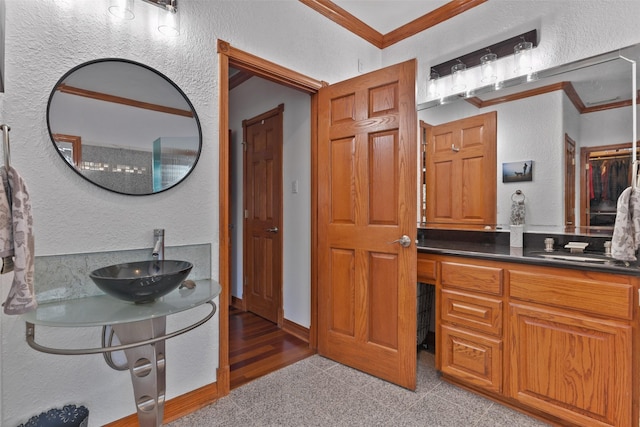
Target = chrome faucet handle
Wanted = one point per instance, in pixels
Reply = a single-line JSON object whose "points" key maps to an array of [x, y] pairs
{"points": [[158, 245]]}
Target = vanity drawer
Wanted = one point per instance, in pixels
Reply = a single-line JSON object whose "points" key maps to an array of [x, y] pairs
{"points": [[426, 270], [470, 277], [602, 294], [473, 358], [475, 312]]}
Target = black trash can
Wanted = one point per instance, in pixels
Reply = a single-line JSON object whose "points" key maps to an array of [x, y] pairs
{"points": [[67, 416], [425, 298]]}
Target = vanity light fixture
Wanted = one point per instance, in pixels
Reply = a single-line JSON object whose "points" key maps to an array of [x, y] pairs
{"points": [[168, 18], [433, 86], [492, 65], [501, 49], [169, 5], [458, 79], [523, 57], [122, 9], [488, 67]]}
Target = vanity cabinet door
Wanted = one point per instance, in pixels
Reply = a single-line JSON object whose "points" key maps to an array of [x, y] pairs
{"points": [[571, 366], [471, 357]]}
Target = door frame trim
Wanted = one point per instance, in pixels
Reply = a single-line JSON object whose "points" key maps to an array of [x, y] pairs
{"points": [[230, 56], [585, 153]]}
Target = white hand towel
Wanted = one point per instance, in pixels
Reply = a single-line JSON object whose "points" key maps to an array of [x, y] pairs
{"points": [[626, 230], [17, 240]]}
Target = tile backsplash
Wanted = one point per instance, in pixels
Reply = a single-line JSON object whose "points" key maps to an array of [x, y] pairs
{"points": [[61, 277]]}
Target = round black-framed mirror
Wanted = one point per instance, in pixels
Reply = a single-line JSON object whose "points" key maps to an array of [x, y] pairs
{"points": [[124, 126]]}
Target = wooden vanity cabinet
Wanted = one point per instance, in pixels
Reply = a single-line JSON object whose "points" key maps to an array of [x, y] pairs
{"points": [[471, 341], [556, 342], [426, 270], [571, 345]]}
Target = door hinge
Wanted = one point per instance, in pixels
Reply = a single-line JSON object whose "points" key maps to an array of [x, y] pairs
{"points": [[246, 214], [244, 145]]}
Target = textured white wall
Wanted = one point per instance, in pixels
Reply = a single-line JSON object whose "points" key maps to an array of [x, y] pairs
{"points": [[44, 39], [248, 100], [568, 30]]}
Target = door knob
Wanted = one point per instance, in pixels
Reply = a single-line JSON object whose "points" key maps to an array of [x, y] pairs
{"points": [[272, 230], [405, 241]]}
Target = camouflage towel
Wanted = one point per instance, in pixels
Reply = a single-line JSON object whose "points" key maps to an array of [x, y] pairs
{"points": [[626, 230], [17, 241]]}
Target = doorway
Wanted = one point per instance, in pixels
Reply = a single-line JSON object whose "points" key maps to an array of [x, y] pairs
{"points": [[230, 57], [396, 144], [606, 172]]}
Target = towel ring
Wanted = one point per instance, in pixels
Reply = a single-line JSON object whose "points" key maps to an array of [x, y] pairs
{"points": [[518, 196]]}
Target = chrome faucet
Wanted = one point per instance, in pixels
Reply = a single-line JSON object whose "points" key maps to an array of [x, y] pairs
{"points": [[158, 245]]}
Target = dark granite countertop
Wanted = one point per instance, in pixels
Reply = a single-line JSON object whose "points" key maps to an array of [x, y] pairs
{"points": [[495, 246]]}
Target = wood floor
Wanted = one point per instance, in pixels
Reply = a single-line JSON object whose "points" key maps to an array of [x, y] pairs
{"points": [[258, 347]]}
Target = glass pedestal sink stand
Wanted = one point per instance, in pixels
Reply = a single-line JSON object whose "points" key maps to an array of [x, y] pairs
{"points": [[147, 367], [141, 330]]}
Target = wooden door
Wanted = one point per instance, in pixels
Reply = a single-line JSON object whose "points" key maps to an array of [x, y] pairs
{"points": [[367, 173], [569, 181], [262, 291], [461, 171]]}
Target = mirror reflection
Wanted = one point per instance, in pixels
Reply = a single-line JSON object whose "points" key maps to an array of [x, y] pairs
{"points": [[124, 127], [574, 123]]}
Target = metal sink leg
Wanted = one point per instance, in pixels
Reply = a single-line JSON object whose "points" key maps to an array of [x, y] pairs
{"points": [[147, 367]]}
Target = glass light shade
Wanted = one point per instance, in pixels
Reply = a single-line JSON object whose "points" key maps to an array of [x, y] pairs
{"points": [[169, 22], [523, 57], [488, 68], [459, 82], [122, 9], [433, 90]]}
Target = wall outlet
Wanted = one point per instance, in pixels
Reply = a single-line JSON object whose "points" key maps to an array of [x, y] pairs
{"points": [[294, 186]]}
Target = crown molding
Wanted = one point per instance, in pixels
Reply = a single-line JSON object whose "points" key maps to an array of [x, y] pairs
{"points": [[381, 41]]}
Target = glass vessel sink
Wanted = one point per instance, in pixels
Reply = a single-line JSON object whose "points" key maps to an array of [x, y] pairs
{"points": [[142, 281]]}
